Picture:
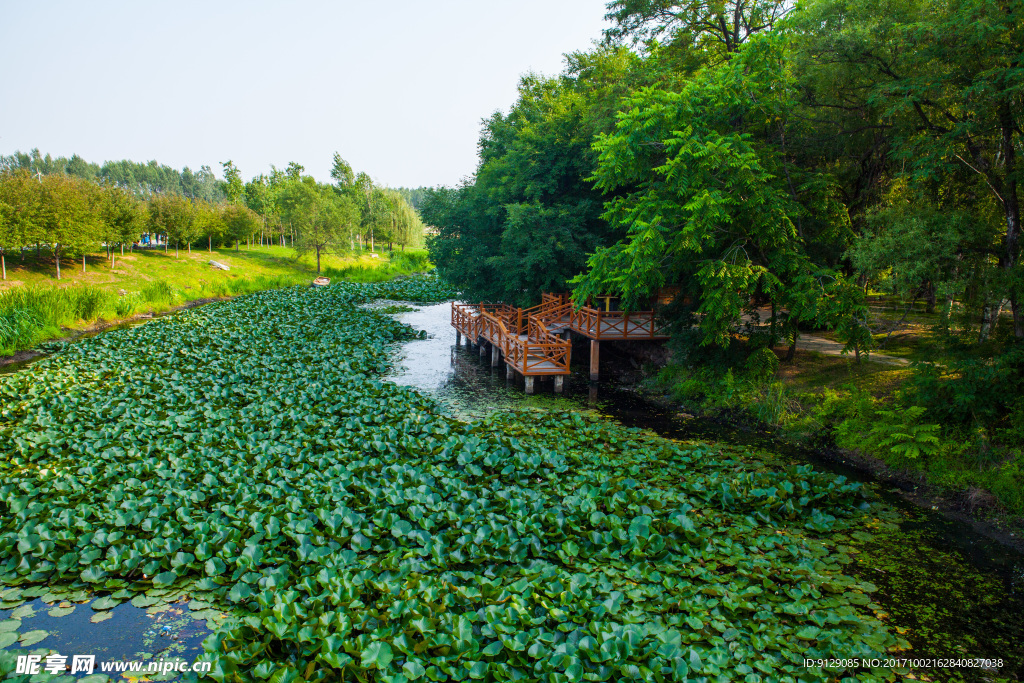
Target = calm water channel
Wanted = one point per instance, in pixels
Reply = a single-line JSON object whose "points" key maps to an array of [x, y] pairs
{"points": [[956, 593]]}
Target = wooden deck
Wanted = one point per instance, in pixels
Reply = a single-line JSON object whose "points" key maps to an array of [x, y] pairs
{"points": [[528, 339]]}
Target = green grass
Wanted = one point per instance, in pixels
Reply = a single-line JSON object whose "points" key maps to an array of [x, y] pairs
{"points": [[35, 306]]}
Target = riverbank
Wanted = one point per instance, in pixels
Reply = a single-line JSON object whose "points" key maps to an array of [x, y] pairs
{"points": [[837, 408], [35, 309]]}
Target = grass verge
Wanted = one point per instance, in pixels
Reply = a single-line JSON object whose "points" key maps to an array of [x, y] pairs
{"points": [[35, 307]]}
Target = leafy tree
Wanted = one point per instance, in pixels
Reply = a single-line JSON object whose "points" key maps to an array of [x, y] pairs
{"points": [[720, 28], [324, 222], [530, 217], [940, 84], [122, 218], [707, 202], [239, 222], [342, 172], [234, 188], [68, 215]]}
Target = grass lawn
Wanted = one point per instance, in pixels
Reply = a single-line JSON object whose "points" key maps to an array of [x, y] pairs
{"points": [[186, 271], [35, 306]]}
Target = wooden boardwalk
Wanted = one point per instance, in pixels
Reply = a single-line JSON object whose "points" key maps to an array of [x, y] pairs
{"points": [[529, 341]]}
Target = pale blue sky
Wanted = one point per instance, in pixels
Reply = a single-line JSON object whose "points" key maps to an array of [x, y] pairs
{"points": [[398, 89]]}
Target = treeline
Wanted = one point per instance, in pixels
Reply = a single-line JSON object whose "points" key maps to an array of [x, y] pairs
{"points": [[760, 157], [142, 179], [67, 216]]}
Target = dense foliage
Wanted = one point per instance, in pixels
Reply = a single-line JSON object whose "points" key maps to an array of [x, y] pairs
{"points": [[756, 160], [70, 214], [248, 454]]}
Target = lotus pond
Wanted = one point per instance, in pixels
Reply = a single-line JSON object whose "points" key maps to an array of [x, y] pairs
{"points": [[245, 466]]}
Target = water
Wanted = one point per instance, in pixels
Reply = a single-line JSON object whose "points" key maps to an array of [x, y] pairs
{"points": [[959, 593]]}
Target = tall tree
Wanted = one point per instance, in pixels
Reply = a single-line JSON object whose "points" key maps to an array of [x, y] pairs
{"points": [[324, 222]]}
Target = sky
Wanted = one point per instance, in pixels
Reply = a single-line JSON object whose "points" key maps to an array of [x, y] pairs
{"points": [[398, 89]]}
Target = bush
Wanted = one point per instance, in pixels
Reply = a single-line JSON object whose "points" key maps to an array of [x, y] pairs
{"points": [[972, 390]]}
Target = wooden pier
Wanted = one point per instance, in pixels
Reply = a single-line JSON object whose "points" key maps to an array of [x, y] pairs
{"points": [[535, 341]]}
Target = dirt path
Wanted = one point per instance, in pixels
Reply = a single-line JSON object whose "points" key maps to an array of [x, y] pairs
{"points": [[808, 342]]}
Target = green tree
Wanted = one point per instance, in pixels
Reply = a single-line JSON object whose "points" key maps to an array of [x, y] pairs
{"points": [[239, 222], [324, 222], [234, 188], [68, 215], [706, 202]]}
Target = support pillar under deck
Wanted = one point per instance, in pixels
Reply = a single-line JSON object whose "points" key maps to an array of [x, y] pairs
{"points": [[495, 356], [483, 349], [510, 373], [595, 352], [529, 384], [458, 338], [559, 383]]}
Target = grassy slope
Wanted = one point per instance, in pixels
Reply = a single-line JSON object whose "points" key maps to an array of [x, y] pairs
{"points": [[35, 306], [134, 271]]}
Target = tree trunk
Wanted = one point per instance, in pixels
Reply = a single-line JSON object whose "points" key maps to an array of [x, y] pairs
{"points": [[3, 265], [791, 354], [122, 249], [83, 263], [189, 247], [209, 243], [175, 248], [236, 246], [113, 259], [930, 298], [57, 254], [318, 261]]}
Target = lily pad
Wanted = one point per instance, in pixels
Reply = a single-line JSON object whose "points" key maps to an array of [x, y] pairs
{"points": [[104, 603], [30, 638], [8, 625], [145, 601], [101, 616], [8, 638], [60, 611]]}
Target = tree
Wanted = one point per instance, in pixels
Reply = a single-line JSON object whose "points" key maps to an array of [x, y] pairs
{"points": [[324, 222], [718, 28], [208, 221], [342, 173], [175, 216], [8, 237], [20, 192], [707, 203], [239, 222], [68, 215], [943, 81], [122, 218], [530, 217], [234, 188]]}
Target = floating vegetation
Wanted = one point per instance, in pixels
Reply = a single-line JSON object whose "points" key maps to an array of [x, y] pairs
{"points": [[329, 525]]}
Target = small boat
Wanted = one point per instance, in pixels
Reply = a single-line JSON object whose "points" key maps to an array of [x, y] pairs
{"points": [[321, 282]]}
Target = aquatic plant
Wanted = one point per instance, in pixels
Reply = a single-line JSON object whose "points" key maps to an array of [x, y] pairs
{"points": [[248, 454]]}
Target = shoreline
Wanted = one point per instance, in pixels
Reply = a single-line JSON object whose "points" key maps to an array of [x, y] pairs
{"points": [[102, 324], [972, 506]]}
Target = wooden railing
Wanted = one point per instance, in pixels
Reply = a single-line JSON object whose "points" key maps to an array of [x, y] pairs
{"points": [[533, 351], [616, 324]]}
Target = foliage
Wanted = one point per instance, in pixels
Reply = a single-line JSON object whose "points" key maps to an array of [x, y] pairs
{"points": [[357, 531], [972, 390], [529, 218]]}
